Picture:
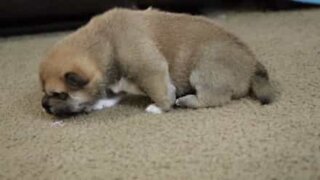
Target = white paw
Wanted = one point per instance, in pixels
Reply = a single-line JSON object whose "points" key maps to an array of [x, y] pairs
{"points": [[152, 108], [106, 103]]}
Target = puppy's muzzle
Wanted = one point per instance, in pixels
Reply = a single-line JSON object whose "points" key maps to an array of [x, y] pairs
{"points": [[45, 104], [56, 104]]}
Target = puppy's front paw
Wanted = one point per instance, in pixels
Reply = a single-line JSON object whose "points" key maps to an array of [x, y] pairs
{"points": [[154, 109], [105, 103]]}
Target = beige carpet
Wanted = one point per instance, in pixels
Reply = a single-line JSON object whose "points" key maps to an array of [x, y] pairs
{"points": [[242, 140]]}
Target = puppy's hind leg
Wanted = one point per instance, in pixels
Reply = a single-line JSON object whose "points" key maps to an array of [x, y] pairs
{"points": [[204, 98], [209, 92], [190, 101]]}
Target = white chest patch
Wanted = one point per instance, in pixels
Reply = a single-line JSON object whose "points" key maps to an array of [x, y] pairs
{"points": [[106, 103], [127, 86]]}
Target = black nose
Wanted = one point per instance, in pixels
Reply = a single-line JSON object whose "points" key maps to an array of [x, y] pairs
{"points": [[45, 104]]}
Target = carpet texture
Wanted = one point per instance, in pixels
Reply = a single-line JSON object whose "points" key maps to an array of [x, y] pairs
{"points": [[242, 140]]}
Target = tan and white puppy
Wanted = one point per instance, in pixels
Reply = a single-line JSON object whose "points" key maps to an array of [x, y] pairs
{"points": [[175, 59]]}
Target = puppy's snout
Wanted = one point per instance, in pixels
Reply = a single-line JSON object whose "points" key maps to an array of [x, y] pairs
{"points": [[60, 95], [45, 104]]}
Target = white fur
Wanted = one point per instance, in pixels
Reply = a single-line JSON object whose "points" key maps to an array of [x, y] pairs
{"points": [[154, 109], [106, 103], [57, 124], [127, 86]]}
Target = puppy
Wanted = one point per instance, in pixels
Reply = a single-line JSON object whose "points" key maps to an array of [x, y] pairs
{"points": [[175, 59]]}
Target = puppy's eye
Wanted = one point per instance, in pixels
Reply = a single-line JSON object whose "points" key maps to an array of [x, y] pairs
{"points": [[74, 80]]}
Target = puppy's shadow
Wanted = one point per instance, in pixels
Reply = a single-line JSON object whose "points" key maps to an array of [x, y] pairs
{"points": [[137, 101]]}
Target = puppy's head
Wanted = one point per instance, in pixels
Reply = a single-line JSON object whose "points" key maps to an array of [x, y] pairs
{"points": [[71, 81]]}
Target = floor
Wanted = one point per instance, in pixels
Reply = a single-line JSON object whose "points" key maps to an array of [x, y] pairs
{"points": [[242, 140]]}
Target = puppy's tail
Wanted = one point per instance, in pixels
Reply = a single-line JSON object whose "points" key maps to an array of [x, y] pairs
{"points": [[260, 85]]}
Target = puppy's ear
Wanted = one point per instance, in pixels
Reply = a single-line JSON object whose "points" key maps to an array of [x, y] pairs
{"points": [[74, 80]]}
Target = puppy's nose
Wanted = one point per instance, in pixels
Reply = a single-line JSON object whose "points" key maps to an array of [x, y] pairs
{"points": [[45, 104]]}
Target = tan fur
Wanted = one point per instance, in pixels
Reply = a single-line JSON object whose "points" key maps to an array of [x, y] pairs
{"points": [[162, 55]]}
